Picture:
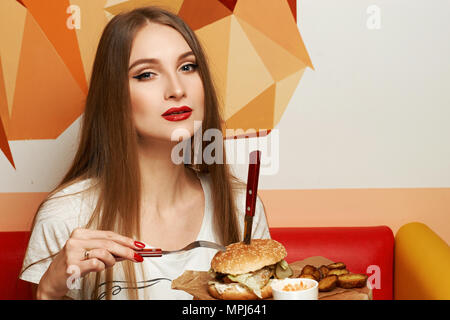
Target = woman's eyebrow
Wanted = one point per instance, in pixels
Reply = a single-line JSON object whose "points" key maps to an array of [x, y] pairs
{"points": [[156, 61]]}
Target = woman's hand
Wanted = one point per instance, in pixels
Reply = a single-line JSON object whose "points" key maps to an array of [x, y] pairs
{"points": [[85, 251]]}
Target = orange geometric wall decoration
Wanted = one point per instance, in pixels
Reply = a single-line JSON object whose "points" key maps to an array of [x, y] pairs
{"points": [[255, 50]]}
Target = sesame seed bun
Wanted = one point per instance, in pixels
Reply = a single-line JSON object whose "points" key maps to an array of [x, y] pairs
{"points": [[241, 258]]}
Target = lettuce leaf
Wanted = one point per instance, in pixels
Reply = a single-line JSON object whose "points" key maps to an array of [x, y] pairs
{"points": [[249, 281], [255, 281]]}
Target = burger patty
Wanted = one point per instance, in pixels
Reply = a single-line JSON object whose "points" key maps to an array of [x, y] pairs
{"points": [[263, 275], [259, 278]]}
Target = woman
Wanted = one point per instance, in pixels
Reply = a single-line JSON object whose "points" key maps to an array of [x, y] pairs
{"points": [[123, 184]]}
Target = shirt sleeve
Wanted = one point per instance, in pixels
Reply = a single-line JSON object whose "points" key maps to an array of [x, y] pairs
{"points": [[260, 226], [54, 224]]}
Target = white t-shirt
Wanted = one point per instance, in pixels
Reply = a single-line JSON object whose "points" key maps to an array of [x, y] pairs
{"points": [[58, 217]]}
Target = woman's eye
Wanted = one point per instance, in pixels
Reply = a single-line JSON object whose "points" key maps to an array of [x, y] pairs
{"points": [[150, 75], [189, 67], [145, 75]]}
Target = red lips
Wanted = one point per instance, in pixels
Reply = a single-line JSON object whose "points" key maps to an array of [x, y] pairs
{"points": [[177, 110]]}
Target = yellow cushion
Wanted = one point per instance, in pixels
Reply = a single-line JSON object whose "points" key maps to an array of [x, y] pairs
{"points": [[422, 264]]}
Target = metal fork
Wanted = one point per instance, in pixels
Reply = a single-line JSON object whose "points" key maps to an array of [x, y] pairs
{"points": [[157, 252]]}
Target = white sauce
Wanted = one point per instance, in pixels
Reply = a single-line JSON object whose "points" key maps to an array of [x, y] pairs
{"points": [[222, 287]]}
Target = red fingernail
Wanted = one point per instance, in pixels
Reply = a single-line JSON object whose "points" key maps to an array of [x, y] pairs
{"points": [[139, 244], [138, 258]]}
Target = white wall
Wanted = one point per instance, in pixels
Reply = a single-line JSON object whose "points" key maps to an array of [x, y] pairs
{"points": [[375, 113]]}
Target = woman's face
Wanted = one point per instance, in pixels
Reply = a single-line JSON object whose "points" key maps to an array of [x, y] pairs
{"points": [[166, 78]]}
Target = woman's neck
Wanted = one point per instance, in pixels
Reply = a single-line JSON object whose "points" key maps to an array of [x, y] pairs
{"points": [[163, 181]]}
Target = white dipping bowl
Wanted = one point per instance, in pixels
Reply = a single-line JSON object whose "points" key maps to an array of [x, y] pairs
{"points": [[312, 293]]}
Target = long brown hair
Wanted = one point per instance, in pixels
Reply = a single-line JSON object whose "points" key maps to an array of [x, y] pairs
{"points": [[107, 152]]}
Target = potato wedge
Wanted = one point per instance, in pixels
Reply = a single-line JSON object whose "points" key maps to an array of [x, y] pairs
{"points": [[338, 272], [307, 276], [336, 265], [308, 269], [328, 283], [323, 271], [311, 270], [352, 280]]}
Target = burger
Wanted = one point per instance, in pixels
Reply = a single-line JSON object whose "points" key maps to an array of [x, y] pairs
{"points": [[244, 272]]}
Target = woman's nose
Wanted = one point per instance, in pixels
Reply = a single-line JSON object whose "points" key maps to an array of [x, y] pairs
{"points": [[174, 88]]}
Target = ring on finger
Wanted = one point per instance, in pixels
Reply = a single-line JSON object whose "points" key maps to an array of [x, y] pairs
{"points": [[86, 254]]}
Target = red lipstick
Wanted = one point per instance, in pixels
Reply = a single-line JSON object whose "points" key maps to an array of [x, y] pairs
{"points": [[177, 114]]}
